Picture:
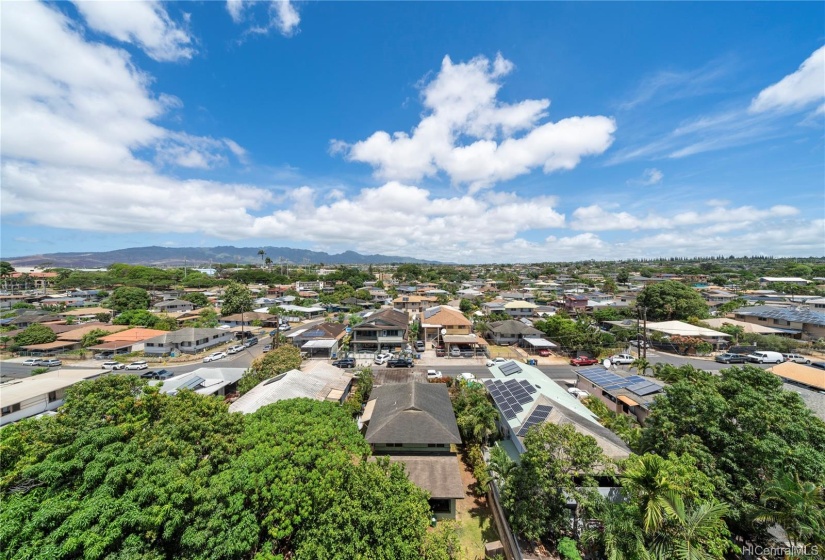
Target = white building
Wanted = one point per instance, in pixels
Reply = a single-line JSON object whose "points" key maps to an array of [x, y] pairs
{"points": [[30, 396]]}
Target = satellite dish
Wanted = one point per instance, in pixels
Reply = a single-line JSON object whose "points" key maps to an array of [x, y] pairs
{"points": [[443, 331], [606, 363]]}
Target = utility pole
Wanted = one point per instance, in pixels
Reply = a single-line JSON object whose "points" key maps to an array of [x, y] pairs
{"points": [[644, 332]]}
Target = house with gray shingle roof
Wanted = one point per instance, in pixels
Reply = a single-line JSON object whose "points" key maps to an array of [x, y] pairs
{"points": [[188, 341], [414, 424]]}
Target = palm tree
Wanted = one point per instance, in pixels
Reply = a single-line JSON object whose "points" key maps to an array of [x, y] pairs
{"points": [[261, 252], [500, 463], [478, 423], [618, 533], [799, 507], [645, 478], [687, 533], [641, 365]]}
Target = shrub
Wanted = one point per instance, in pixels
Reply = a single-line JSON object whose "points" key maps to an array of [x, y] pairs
{"points": [[38, 371], [567, 549]]}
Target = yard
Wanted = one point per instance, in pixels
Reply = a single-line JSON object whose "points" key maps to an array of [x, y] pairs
{"points": [[474, 521]]}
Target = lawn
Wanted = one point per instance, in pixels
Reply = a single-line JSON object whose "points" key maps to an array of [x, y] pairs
{"points": [[474, 521]]}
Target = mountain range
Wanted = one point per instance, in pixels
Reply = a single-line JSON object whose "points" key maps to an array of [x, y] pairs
{"points": [[201, 257]]}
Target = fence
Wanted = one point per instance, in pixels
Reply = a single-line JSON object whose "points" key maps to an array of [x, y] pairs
{"points": [[508, 538]]}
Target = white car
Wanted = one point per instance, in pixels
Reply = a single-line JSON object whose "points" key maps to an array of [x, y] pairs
{"points": [[467, 376], [112, 365], [455, 352], [140, 364], [622, 359], [495, 362], [382, 359], [433, 374], [32, 362], [235, 349], [214, 356]]}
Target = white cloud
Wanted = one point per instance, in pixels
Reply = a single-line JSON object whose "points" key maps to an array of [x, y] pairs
{"points": [[795, 91], [595, 218], [144, 23], [282, 15], [461, 102], [649, 177]]}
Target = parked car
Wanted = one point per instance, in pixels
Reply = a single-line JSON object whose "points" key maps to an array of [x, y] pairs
{"points": [[215, 356], [235, 349], [455, 352], [251, 341], [729, 358], [51, 362], [344, 363], [544, 352], [796, 358], [148, 374], [420, 346], [112, 365], [640, 343], [33, 362], [164, 374], [433, 374], [766, 357], [622, 359], [440, 352], [104, 356], [496, 361], [467, 376], [267, 348], [583, 361], [400, 362], [140, 364], [382, 359]]}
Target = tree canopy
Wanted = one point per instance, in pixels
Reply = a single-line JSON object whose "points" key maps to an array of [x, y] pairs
{"points": [[126, 298], [279, 360], [671, 300], [236, 299], [127, 472], [35, 334]]}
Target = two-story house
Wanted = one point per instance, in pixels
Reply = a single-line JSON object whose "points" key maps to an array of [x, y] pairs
{"points": [[412, 303], [188, 341], [173, 306], [382, 330], [414, 424]]}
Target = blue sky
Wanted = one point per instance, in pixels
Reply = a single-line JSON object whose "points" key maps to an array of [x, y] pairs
{"points": [[467, 132]]}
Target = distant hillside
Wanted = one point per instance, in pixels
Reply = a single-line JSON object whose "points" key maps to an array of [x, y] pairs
{"points": [[201, 256]]}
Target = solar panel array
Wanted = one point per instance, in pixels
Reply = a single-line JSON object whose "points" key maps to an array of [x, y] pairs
{"points": [[510, 395], [509, 368], [610, 381], [192, 383], [538, 416]]}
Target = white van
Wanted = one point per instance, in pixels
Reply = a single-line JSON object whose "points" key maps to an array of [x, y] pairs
{"points": [[761, 357]]}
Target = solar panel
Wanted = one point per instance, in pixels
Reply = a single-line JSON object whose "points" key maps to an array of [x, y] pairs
{"points": [[517, 408], [634, 387], [191, 384], [613, 386], [538, 416], [652, 388], [527, 387], [509, 368], [525, 399], [636, 379], [544, 408], [509, 414]]}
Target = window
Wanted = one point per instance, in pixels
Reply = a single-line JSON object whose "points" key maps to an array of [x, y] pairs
{"points": [[394, 444], [440, 506], [9, 409], [439, 445], [53, 396]]}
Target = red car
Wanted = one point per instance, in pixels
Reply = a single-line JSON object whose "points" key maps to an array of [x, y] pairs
{"points": [[583, 361], [544, 352]]}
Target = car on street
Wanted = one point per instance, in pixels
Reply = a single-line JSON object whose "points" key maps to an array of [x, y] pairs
{"points": [[140, 364], [400, 362], [419, 346], [433, 374], [496, 361], [583, 361], [235, 349], [148, 374], [344, 363], [163, 374], [544, 352], [215, 356], [250, 342], [731, 358], [112, 365], [51, 362], [765, 357], [467, 376], [104, 356], [33, 362], [267, 348], [622, 359], [796, 358], [382, 359]]}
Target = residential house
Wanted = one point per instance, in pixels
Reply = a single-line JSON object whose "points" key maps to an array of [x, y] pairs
{"points": [[323, 382], [494, 306], [816, 304], [247, 319], [679, 328], [765, 280], [509, 332], [319, 341], [443, 317], [520, 308], [575, 303], [188, 340], [30, 396], [412, 303], [749, 328], [218, 382], [414, 424], [28, 317], [518, 296], [385, 329], [799, 374], [623, 394], [125, 342], [803, 322], [173, 306]]}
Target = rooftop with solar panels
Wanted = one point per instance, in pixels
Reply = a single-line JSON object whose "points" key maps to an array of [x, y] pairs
{"points": [[641, 389]]}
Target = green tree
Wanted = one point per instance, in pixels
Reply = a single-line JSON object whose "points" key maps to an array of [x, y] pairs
{"points": [[22, 305], [103, 317], [641, 365], [466, 306], [198, 299], [92, 337], [207, 318], [671, 300], [693, 533], [475, 414], [799, 507], [559, 464], [137, 318], [622, 277], [279, 360], [126, 298], [236, 299], [35, 334]]}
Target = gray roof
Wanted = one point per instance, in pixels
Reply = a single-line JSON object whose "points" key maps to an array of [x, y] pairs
{"points": [[439, 475], [798, 315], [412, 413], [513, 327], [175, 302], [388, 316], [189, 334]]}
